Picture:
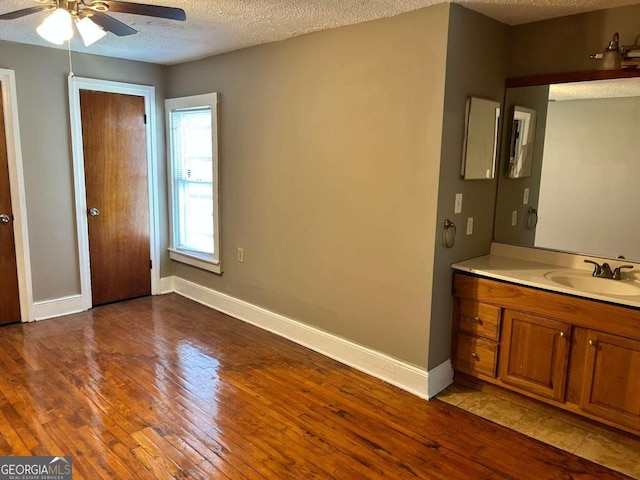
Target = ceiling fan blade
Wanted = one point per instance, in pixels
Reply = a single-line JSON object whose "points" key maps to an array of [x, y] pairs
{"points": [[112, 25], [24, 12], [158, 11]]}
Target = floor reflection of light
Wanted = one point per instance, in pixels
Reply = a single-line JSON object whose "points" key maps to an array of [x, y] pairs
{"points": [[92, 378], [49, 393], [198, 372]]}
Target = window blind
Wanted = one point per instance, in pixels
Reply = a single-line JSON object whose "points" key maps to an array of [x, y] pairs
{"points": [[193, 179]]}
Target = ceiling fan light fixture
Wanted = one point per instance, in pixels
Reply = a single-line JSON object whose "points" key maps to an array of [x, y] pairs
{"points": [[57, 27], [89, 31]]}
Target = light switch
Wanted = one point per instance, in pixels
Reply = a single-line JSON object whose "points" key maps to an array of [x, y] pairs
{"points": [[469, 225], [458, 205], [525, 196], [514, 218]]}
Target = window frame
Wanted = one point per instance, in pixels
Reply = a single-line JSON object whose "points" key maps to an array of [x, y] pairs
{"points": [[197, 259]]}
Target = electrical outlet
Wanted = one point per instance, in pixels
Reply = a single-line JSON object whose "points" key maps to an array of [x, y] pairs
{"points": [[469, 225], [525, 197], [458, 205], [240, 254], [514, 218]]}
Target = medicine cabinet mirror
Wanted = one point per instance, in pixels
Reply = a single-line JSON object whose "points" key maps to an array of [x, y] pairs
{"points": [[481, 139], [523, 132]]}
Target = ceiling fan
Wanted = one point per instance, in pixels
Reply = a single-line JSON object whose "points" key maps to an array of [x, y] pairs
{"points": [[91, 17]]}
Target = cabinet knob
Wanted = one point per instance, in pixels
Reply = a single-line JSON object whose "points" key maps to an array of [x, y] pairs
{"points": [[563, 335], [593, 343], [477, 320], [474, 355]]}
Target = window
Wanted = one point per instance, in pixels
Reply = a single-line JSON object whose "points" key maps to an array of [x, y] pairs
{"points": [[192, 124]]}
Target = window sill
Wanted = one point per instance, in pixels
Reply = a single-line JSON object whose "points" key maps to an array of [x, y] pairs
{"points": [[200, 261]]}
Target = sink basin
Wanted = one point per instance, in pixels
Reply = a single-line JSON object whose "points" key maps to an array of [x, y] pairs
{"points": [[586, 283]]}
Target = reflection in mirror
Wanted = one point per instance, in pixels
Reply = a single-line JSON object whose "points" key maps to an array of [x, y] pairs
{"points": [[523, 132], [585, 170], [481, 139]]}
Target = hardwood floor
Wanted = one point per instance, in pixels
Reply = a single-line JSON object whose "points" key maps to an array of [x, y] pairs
{"points": [[165, 388]]}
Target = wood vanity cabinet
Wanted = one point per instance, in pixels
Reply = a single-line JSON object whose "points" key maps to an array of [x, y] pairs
{"points": [[574, 353]]}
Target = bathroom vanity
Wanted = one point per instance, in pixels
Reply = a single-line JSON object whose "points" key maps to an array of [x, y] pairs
{"points": [[536, 322]]}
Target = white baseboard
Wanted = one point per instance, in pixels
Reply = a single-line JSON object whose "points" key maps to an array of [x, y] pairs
{"points": [[396, 372], [58, 307], [167, 285], [440, 378]]}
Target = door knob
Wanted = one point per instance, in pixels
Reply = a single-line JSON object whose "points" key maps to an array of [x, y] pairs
{"points": [[5, 218], [94, 212]]}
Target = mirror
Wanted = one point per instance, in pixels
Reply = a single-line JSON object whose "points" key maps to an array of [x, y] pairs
{"points": [[523, 132], [481, 139], [584, 170]]}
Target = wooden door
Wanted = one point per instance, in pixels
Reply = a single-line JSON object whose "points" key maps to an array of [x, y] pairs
{"points": [[9, 295], [534, 354], [611, 380], [115, 164]]}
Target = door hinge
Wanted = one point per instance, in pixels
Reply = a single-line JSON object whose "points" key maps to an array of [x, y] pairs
{"points": [[145, 118], [150, 264]]}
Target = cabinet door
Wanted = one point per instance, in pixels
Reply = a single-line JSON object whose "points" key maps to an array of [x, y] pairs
{"points": [[611, 382], [534, 354]]}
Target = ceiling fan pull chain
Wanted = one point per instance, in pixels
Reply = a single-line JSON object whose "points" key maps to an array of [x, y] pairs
{"points": [[71, 74]]}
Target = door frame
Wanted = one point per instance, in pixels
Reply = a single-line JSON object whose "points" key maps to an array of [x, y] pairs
{"points": [[16, 185], [148, 92]]}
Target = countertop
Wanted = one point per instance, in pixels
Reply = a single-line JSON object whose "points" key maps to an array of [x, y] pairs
{"points": [[536, 269]]}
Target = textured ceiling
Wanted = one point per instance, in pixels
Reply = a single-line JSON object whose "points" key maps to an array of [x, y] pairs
{"points": [[217, 26], [621, 87]]}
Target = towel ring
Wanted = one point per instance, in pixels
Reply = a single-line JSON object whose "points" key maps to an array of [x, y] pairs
{"points": [[532, 218], [449, 234]]}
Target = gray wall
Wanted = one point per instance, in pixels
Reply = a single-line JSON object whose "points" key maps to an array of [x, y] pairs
{"points": [[41, 83], [330, 157], [476, 66], [564, 44]]}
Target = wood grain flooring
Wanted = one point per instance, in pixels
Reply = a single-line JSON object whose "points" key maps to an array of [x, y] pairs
{"points": [[163, 388]]}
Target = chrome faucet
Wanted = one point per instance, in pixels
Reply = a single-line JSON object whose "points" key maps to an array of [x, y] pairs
{"points": [[604, 270], [600, 271], [617, 273]]}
